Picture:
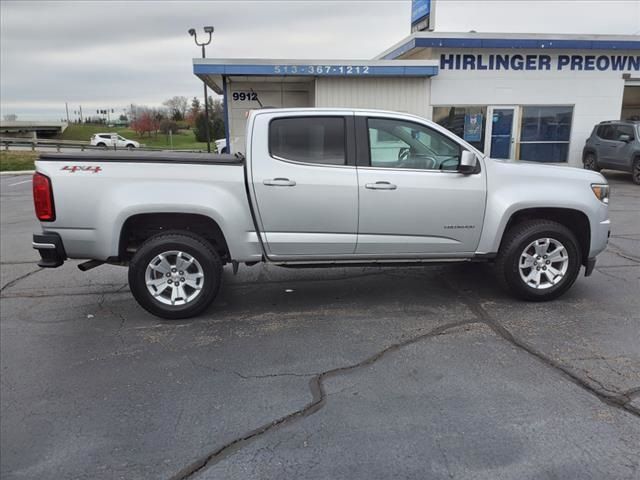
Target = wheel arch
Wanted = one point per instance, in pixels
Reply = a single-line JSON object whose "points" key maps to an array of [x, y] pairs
{"points": [[587, 151], [139, 227], [575, 220]]}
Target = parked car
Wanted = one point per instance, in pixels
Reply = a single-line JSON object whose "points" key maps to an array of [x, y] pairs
{"points": [[221, 145], [318, 188], [614, 145], [107, 140]]}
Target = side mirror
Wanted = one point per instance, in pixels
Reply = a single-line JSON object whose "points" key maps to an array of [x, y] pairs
{"points": [[624, 138], [468, 162]]}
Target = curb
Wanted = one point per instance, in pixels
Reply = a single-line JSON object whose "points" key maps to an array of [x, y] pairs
{"points": [[17, 172]]}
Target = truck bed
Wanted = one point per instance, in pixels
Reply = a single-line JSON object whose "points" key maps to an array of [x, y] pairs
{"points": [[123, 156]]}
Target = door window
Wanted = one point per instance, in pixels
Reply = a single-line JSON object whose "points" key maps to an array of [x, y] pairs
{"points": [[401, 144], [606, 132], [308, 139], [624, 130]]}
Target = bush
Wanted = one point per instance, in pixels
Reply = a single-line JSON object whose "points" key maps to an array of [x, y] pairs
{"points": [[168, 125]]}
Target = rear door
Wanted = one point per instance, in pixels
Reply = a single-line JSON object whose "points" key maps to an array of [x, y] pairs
{"points": [[305, 184], [413, 202]]}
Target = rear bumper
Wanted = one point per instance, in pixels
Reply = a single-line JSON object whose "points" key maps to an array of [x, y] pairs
{"points": [[51, 249]]}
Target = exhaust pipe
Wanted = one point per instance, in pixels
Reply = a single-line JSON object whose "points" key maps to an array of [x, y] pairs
{"points": [[88, 265]]}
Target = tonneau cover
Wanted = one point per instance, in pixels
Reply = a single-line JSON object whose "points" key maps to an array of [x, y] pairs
{"points": [[144, 157]]}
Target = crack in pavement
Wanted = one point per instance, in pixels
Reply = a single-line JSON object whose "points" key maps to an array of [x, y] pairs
{"points": [[616, 400], [66, 294], [20, 278], [619, 251], [319, 397]]}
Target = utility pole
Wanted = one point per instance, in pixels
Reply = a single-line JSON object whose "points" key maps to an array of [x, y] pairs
{"points": [[81, 121], [66, 107], [192, 32]]}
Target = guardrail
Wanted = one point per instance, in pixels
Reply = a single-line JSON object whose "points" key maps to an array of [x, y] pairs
{"points": [[34, 143]]}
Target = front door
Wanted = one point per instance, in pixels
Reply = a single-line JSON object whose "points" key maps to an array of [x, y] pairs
{"points": [[306, 192], [500, 135], [413, 202], [620, 151]]}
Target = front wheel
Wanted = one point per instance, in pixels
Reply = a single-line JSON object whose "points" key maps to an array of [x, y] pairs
{"points": [[130, 147], [635, 171], [539, 260], [175, 275], [591, 163]]}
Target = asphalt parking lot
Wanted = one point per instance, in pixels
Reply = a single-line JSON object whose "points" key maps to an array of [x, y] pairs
{"points": [[320, 374]]}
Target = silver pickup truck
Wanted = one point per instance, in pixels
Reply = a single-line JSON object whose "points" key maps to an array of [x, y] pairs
{"points": [[318, 187]]}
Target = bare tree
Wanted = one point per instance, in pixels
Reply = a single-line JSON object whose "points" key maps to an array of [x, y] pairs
{"points": [[177, 107], [11, 117]]}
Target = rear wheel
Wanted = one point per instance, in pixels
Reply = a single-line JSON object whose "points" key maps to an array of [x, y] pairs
{"points": [[591, 163], [102, 145], [175, 275], [635, 171], [539, 260]]}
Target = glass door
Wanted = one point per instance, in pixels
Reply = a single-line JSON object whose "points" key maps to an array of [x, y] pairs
{"points": [[501, 132]]}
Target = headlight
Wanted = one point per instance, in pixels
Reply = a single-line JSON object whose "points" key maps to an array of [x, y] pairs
{"points": [[601, 191]]}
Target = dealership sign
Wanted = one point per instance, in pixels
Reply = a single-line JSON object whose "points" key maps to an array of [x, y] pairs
{"points": [[449, 61]]}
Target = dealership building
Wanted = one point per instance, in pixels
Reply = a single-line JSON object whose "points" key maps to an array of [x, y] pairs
{"points": [[518, 96]]}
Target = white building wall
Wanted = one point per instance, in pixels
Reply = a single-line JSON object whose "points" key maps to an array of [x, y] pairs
{"points": [[595, 95], [276, 94], [410, 95]]}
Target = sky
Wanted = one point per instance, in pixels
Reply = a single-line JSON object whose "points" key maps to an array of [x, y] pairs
{"points": [[109, 54]]}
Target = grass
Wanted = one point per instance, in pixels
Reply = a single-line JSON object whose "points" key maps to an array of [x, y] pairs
{"points": [[182, 140], [11, 161]]}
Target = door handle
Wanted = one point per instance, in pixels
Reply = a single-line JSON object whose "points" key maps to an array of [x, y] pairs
{"points": [[279, 182], [380, 186]]}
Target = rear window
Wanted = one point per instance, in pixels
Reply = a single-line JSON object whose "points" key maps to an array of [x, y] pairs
{"points": [[308, 139]]}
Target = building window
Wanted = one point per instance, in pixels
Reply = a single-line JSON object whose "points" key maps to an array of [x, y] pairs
{"points": [[468, 122], [545, 133], [308, 139]]}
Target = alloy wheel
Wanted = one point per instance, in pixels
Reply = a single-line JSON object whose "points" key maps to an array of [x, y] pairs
{"points": [[543, 263], [174, 277]]}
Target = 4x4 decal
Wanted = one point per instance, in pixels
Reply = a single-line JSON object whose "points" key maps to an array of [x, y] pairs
{"points": [[82, 168]]}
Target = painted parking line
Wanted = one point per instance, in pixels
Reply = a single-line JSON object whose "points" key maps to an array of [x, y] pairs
{"points": [[19, 183]]}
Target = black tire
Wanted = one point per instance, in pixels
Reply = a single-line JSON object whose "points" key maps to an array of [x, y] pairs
{"points": [[514, 245], [635, 171], [102, 145], [193, 245], [590, 162], [130, 146]]}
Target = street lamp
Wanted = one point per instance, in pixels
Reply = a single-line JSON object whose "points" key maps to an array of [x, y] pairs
{"points": [[192, 32]]}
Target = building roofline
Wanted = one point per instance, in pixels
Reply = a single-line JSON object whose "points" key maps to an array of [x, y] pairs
{"points": [[510, 41], [212, 71]]}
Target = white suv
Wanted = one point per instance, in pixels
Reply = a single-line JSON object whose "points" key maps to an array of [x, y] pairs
{"points": [[107, 140]]}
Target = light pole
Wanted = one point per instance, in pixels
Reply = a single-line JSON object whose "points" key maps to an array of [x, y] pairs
{"points": [[192, 32]]}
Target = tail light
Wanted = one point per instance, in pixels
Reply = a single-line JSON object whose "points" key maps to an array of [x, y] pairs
{"points": [[43, 198]]}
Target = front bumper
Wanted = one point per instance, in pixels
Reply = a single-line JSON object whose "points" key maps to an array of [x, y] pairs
{"points": [[589, 266], [51, 249]]}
